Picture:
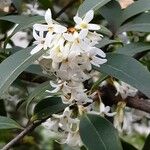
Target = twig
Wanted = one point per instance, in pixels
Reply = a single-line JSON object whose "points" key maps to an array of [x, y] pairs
{"points": [[64, 9], [137, 103], [109, 98], [26, 131]]}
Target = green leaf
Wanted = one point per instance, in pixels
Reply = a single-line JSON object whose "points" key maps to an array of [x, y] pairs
{"points": [[136, 8], [38, 91], [127, 146], [2, 108], [147, 143], [103, 30], [133, 48], [36, 69], [105, 42], [47, 107], [8, 123], [23, 21], [97, 133], [91, 4], [113, 14], [141, 23], [46, 3], [14, 65], [128, 70]]}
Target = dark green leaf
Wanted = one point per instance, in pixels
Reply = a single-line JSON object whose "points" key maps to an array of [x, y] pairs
{"points": [[91, 4], [103, 30], [46, 3], [133, 48], [36, 69], [14, 65], [147, 143], [136, 8], [38, 91], [127, 146], [8, 123], [128, 70], [2, 108], [105, 42], [141, 23], [97, 133], [23, 21], [47, 107], [113, 14]]}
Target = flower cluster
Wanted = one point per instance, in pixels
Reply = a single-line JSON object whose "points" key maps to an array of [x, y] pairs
{"points": [[71, 52]]}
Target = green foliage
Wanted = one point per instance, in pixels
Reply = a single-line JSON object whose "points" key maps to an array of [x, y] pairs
{"points": [[47, 107], [134, 48], [106, 41], [135, 9], [98, 133], [113, 14], [140, 23], [46, 3], [8, 123], [14, 65], [36, 94], [147, 143], [127, 146], [23, 21], [126, 68], [88, 5]]}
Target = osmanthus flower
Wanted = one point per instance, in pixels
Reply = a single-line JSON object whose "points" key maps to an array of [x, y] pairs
{"points": [[102, 111], [84, 25], [41, 42], [51, 27], [73, 140], [124, 89]]}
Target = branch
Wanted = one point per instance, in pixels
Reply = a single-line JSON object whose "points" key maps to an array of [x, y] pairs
{"points": [[20, 136], [65, 8], [138, 102]]}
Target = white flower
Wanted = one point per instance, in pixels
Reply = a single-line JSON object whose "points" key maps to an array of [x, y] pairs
{"points": [[84, 24], [51, 27], [96, 56], [51, 124], [40, 42], [73, 140], [56, 87], [66, 122], [102, 111], [125, 89]]}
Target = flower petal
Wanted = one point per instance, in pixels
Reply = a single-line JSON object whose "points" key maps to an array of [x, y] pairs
{"points": [[48, 39], [93, 26], [97, 61], [36, 49], [89, 16], [36, 36], [68, 37], [59, 29], [83, 33], [48, 17], [77, 19], [97, 51], [40, 27]]}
